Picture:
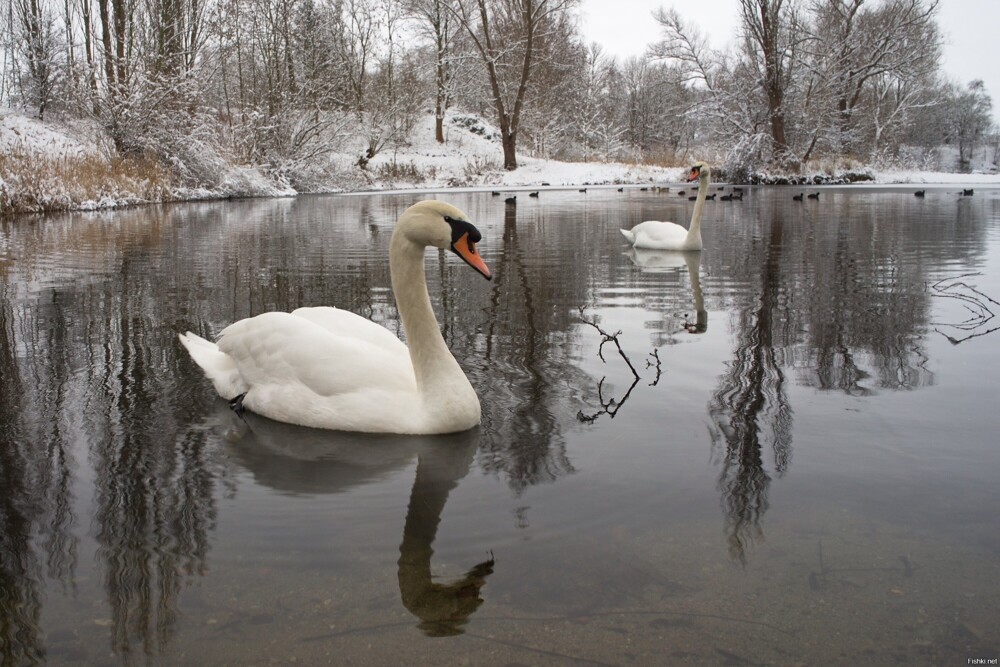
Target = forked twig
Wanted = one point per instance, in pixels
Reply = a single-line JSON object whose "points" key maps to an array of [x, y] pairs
{"points": [[659, 370], [609, 338], [611, 406]]}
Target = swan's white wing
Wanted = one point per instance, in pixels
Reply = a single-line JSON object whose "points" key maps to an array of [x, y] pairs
{"points": [[283, 351], [653, 233], [345, 323]]}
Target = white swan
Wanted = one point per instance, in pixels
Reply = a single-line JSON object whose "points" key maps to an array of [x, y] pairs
{"points": [[656, 235], [329, 368]]}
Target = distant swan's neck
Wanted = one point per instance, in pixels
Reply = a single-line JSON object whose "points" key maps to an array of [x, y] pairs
{"points": [[694, 229], [432, 361]]}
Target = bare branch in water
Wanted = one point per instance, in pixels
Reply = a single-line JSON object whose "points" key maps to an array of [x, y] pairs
{"points": [[610, 406], [609, 338], [659, 370], [973, 301]]}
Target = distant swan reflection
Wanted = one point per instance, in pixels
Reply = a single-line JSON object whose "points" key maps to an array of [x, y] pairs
{"points": [[291, 458], [665, 261]]}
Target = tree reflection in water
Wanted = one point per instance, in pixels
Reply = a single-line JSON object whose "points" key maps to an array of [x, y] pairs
{"points": [[523, 437], [93, 377], [837, 308], [750, 410], [36, 505]]}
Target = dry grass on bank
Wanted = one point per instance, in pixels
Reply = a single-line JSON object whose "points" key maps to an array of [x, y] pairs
{"points": [[38, 183]]}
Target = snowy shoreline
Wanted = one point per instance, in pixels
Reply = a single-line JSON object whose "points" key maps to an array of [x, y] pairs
{"points": [[468, 162]]}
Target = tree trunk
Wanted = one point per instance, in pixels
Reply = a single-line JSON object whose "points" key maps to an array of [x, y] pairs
{"points": [[441, 100], [439, 123], [763, 21], [88, 46], [509, 140]]}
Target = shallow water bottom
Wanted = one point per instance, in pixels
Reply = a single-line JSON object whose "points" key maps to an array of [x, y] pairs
{"points": [[808, 596]]}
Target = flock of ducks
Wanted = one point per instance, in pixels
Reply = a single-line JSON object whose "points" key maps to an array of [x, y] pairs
{"points": [[329, 368]]}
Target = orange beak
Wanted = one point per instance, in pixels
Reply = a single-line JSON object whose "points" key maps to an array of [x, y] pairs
{"points": [[692, 175], [466, 249]]}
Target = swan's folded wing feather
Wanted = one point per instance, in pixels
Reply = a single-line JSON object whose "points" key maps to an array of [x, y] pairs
{"points": [[662, 231], [661, 235], [281, 349], [345, 323]]}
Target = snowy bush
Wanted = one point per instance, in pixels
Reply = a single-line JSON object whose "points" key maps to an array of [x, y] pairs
{"points": [[743, 159]]}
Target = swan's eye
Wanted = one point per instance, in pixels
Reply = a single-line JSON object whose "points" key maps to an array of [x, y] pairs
{"points": [[462, 227]]}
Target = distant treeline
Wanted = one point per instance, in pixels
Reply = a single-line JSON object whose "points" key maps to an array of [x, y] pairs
{"points": [[286, 83]]}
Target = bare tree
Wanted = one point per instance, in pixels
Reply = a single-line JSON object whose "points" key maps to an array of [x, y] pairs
{"points": [[386, 89], [770, 33], [177, 34], [714, 90], [35, 39], [441, 28], [970, 111], [872, 55], [595, 126], [506, 35]]}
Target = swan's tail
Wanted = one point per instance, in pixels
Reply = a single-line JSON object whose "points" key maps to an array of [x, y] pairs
{"points": [[629, 236], [218, 366]]}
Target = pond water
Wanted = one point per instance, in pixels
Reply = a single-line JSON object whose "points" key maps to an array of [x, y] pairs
{"points": [[803, 469]]}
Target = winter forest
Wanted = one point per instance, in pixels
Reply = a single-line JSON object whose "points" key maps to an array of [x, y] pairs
{"points": [[176, 88]]}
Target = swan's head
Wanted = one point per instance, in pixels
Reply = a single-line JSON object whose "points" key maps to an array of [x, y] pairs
{"points": [[435, 223], [700, 171]]}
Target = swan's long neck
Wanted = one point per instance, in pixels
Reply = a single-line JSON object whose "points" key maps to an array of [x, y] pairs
{"points": [[694, 229], [433, 363]]}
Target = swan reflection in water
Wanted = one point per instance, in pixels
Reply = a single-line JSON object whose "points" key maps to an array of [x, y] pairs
{"points": [[303, 460], [669, 261]]}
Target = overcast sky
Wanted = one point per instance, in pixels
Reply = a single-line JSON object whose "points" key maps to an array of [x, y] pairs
{"points": [[971, 30]]}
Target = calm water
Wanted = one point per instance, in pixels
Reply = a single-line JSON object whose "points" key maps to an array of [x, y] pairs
{"points": [[803, 470]]}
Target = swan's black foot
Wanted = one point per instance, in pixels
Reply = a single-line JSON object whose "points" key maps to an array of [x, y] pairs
{"points": [[237, 404]]}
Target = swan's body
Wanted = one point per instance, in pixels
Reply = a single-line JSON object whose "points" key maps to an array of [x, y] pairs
{"points": [[329, 368], [656, 235]]}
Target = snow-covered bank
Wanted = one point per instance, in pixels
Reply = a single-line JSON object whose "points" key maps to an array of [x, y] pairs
{"points": [[48, 166], [890, 177]]}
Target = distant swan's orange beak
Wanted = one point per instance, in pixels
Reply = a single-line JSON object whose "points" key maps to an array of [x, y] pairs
{"points": [[466, 249]]}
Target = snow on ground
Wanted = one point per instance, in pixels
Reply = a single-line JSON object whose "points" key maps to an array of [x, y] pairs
{"points": [[471, 157], [935, 177], [19, 133]]}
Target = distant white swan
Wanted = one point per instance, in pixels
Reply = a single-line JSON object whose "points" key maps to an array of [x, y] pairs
{"points": [[329, 368], [656, 235]]}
